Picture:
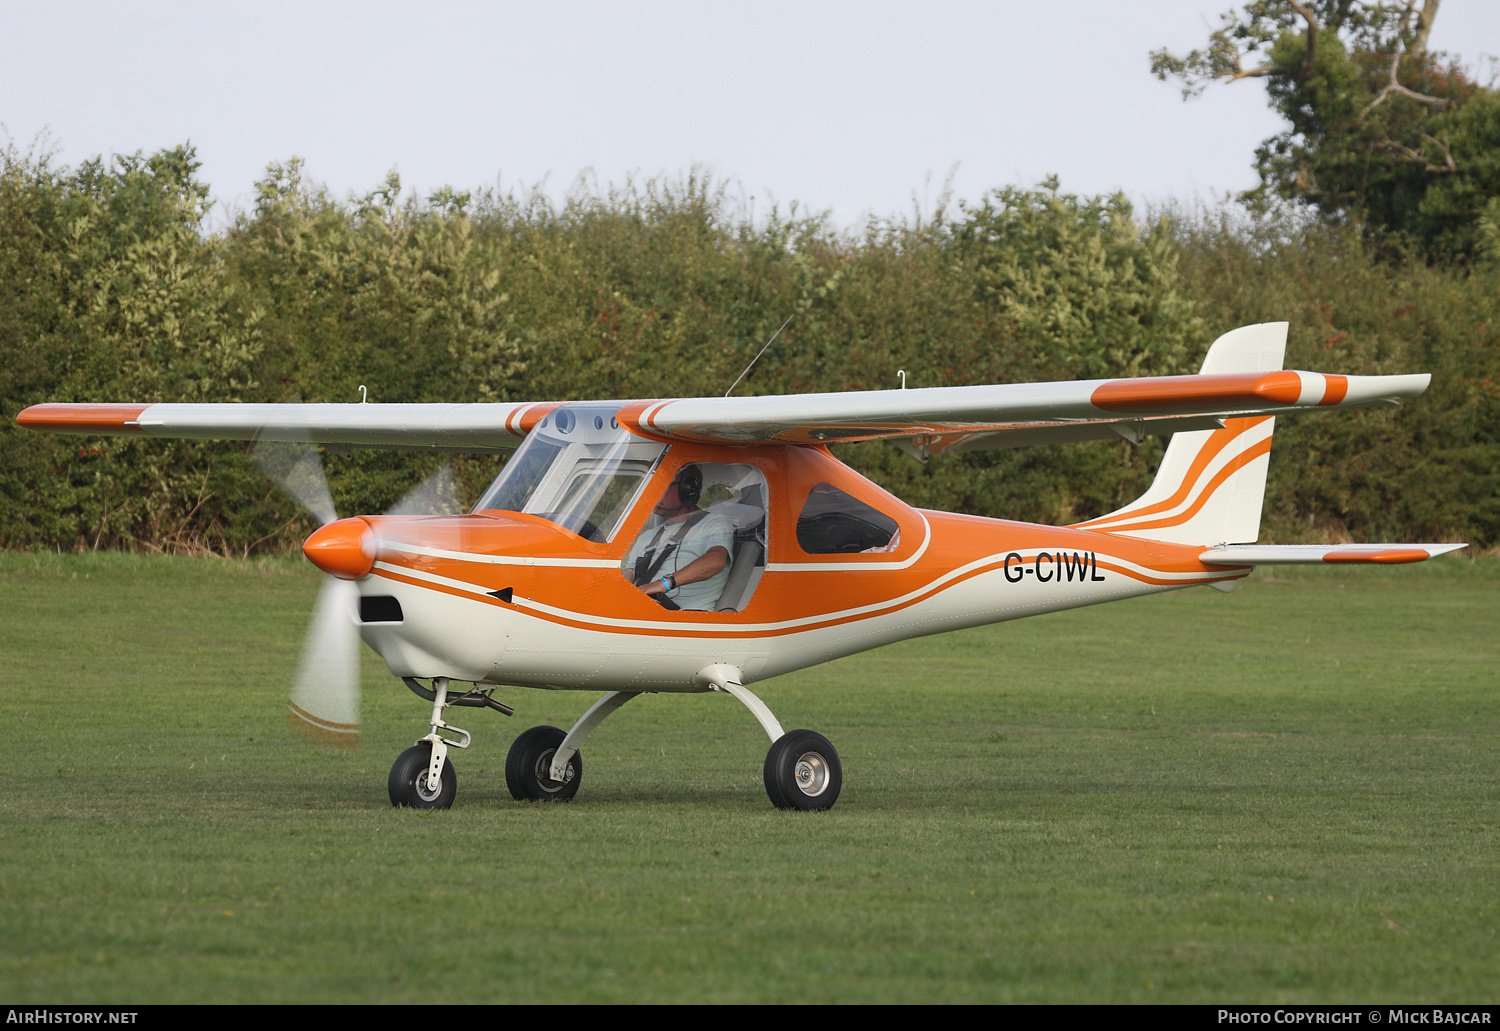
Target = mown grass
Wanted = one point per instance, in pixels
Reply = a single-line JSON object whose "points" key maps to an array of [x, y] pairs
{"points": [[1287, 794]]}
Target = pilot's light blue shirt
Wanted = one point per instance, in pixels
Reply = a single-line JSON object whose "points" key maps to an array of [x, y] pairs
{"points": [[711, 531]]}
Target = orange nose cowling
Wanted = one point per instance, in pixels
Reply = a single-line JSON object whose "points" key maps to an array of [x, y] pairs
{"points": [[344, 548]]}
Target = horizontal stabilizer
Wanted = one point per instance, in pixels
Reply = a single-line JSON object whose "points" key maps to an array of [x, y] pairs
{"points": [[1308, 554]]}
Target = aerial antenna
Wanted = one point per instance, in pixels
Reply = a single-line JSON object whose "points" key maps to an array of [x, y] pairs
{"points": [[762, 351]]}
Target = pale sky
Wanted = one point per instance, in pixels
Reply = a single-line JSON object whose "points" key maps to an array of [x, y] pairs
{"points": [[854, 108]]}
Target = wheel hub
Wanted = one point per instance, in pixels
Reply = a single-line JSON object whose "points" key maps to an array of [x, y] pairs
{"points": [[544, 772], [425, 793], [811, 773]]}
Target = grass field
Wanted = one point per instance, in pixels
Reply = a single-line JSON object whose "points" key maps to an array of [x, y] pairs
{"points": [[1287, 794]]}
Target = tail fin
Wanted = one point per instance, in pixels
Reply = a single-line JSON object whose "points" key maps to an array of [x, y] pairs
{"points": [[1211, 483]]}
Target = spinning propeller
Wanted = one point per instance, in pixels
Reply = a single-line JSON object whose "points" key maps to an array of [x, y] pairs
{"points": [[324, 699]]}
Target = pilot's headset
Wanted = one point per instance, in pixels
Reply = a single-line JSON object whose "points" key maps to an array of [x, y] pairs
{"points": [[690, 485]]}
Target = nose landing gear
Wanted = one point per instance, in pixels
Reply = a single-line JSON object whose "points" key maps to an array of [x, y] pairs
{"points": [[422, 777]]}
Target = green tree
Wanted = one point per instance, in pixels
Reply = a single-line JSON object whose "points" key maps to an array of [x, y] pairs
{"points": [[1045, 285], [1380, 129], [110, 291]]}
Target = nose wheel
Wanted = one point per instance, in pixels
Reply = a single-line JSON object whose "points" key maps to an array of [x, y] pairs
{"points": [[422, 777], [411, 785]]}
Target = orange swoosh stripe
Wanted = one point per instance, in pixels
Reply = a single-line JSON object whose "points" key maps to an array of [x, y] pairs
{"points": [[667, 630], [1239, 462], [1221, 439]]}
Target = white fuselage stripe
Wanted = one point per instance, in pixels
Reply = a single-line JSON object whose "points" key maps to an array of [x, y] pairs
{"points": [[392, 547], [936, 585]]}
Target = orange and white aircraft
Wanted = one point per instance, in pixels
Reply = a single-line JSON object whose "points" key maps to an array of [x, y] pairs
{"points": [[544, 583]]}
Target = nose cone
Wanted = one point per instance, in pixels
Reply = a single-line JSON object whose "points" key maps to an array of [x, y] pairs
{"points": [[344, 548]]}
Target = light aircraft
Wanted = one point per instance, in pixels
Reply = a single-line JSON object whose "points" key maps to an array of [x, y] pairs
{"points": [[537, 585]]}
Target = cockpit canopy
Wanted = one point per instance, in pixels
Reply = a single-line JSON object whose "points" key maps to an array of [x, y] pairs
{"points": [[578, 468]]}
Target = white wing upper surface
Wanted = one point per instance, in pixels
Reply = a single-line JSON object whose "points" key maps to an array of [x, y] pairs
{"points": [[927, 420], [1016, 415]]}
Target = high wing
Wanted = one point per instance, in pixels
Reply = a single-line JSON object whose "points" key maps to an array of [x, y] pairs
{"points": [[1242, 376], [438, 427], [1022, 414]]}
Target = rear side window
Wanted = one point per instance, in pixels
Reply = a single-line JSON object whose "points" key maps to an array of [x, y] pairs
{"points": [[834, 523]]}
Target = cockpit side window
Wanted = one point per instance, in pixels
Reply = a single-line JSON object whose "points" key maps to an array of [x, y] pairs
{"points": [[704, 547], [835, 523]]}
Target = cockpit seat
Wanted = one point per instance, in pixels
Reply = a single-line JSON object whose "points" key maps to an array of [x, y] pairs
{"points": [[748, 562]]}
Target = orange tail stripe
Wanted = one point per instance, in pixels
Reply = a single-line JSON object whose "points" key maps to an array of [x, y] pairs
{"points": [[1221, 439], [1250, 454]]}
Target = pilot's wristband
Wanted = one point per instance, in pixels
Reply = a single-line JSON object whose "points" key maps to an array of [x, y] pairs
{"points": [[666, 582]]}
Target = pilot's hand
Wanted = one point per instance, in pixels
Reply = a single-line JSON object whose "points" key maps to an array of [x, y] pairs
{"points": [[654, 587]]}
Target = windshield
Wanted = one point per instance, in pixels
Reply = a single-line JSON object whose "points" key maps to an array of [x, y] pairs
{"points": [[577, 468]]}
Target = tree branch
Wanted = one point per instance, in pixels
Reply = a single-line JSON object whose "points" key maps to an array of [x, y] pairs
{"points": [[1420, 158], [1312, 36], [1396, 87], [1418, 42], [1416, 45], [1254, 73]]}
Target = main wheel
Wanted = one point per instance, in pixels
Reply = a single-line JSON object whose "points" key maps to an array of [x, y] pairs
{"points": [[529, 762], [408, 783], [803, 771]]}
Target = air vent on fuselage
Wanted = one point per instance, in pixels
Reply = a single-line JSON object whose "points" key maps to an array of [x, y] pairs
{"points": [[379, 609]]}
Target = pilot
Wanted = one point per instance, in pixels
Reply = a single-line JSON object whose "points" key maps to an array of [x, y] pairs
{"points": [[682, 562]]}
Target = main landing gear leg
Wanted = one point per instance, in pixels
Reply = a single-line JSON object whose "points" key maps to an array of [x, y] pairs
{"points": [[802, 769], [545, 764]]}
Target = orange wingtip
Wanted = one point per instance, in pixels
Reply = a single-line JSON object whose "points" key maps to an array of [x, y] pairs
{"points": [[1167, 395], [1391, 556], [82, 418]]}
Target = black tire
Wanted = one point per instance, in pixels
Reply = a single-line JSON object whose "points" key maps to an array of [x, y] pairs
{"points": [[408, 783], [528, 762], [803, 771]]}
